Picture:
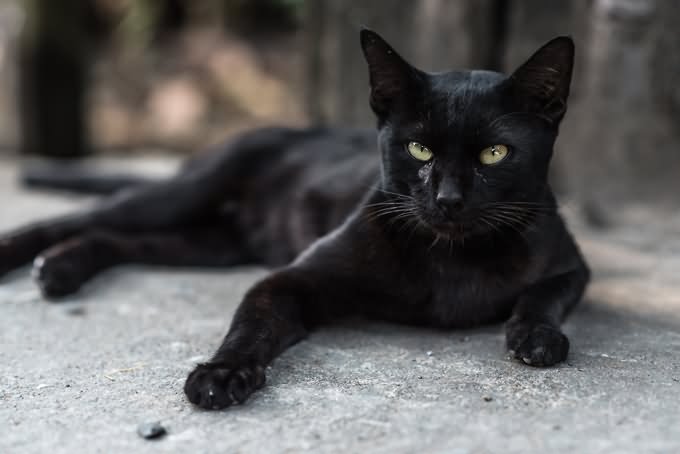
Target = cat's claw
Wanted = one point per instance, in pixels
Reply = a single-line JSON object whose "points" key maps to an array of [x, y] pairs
{"points": [[538, 345], [215, 386]]}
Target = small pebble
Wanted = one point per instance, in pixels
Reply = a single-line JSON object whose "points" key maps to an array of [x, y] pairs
{"points": [[151, 430], [487, 398], [420, 377], [76, 310], [429, 353]]}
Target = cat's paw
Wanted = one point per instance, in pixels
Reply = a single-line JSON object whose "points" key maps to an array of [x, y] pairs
{"points": [[57, 276], [214, 386], [538, 345]]}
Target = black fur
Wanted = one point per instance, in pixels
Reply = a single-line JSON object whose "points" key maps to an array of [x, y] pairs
{"points": [[448, 243]]}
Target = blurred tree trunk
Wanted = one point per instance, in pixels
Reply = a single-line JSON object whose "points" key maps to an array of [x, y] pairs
{"points": [[55, 55], [620, 140], [53, 69], [531, 24], [432, 34], [628, 143], [315, 18]]}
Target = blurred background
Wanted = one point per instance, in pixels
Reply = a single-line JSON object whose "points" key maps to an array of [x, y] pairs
{"points": [[85, 77], [138, 85]]}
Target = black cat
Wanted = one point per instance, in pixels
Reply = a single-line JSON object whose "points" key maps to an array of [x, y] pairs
{"points": [[455, 226]]}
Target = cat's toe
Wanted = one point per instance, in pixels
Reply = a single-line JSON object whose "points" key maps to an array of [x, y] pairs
{"points": [[214, 386], [538, 345], [56, 278]]}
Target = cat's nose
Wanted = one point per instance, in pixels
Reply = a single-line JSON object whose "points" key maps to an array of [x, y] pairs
{"points": [[450, 203]]}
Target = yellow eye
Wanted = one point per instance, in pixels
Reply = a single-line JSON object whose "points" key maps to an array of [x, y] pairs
{"points": [[419, 152], [493, 154]]}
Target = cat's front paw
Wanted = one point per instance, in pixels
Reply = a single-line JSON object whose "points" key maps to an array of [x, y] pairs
{"points": [[214, 386], [538, 345]]}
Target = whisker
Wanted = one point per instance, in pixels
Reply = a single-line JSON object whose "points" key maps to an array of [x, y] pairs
{"points": [[384, 191], [386, 203], [522, 212], [382, 209], [512, 220], [434, 243], [520, 206], [520, 217], [508, 223], [394, 214], [489, 223]]}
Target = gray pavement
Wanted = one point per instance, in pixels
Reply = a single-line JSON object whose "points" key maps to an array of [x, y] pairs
{"points": [[79, 376]]}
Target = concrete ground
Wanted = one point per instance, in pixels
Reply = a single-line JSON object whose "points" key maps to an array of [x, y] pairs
{"points": [[81, 375]]}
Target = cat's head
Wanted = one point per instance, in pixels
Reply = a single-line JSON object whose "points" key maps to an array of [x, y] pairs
{"points": [[468, 151]]}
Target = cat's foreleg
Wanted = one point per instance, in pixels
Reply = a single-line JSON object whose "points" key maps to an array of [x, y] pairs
{"points": [[153, 207], [275, 314], [533, 332]]}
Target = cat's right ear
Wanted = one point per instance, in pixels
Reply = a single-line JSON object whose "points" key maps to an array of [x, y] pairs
{"points": [[390, 76]]}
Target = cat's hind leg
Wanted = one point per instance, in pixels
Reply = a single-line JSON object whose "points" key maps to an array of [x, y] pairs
{"points": [[20, 247], [198, 191], [63, 268], [166, 205]]}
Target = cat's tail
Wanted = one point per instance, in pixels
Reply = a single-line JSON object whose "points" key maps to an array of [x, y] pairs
{"points": [[79, 179]]}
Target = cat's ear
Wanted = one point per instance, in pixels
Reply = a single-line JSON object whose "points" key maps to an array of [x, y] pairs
{"points": [[391, 77], [542, 82]]}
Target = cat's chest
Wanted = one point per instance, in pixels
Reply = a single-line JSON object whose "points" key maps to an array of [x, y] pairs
{"points": [[470, 293]]}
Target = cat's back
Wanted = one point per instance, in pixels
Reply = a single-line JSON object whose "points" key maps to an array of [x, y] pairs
{"points": [[302, 185]]}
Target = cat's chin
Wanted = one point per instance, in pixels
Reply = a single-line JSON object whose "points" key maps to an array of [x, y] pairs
{"points": [[454, 230]]}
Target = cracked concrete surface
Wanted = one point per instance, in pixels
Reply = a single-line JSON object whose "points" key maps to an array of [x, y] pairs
{"points": [[79, 376]]}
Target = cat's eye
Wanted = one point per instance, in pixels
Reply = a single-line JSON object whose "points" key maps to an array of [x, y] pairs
{"points": [[493, 154], [418, 151]]}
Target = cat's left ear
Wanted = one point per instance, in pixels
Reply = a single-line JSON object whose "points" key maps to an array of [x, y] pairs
{"points": [[391, 77], [542, 82]]}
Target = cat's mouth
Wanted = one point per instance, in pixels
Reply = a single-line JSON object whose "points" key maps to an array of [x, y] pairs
{"points": [[460, 228], [478, 224]]}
